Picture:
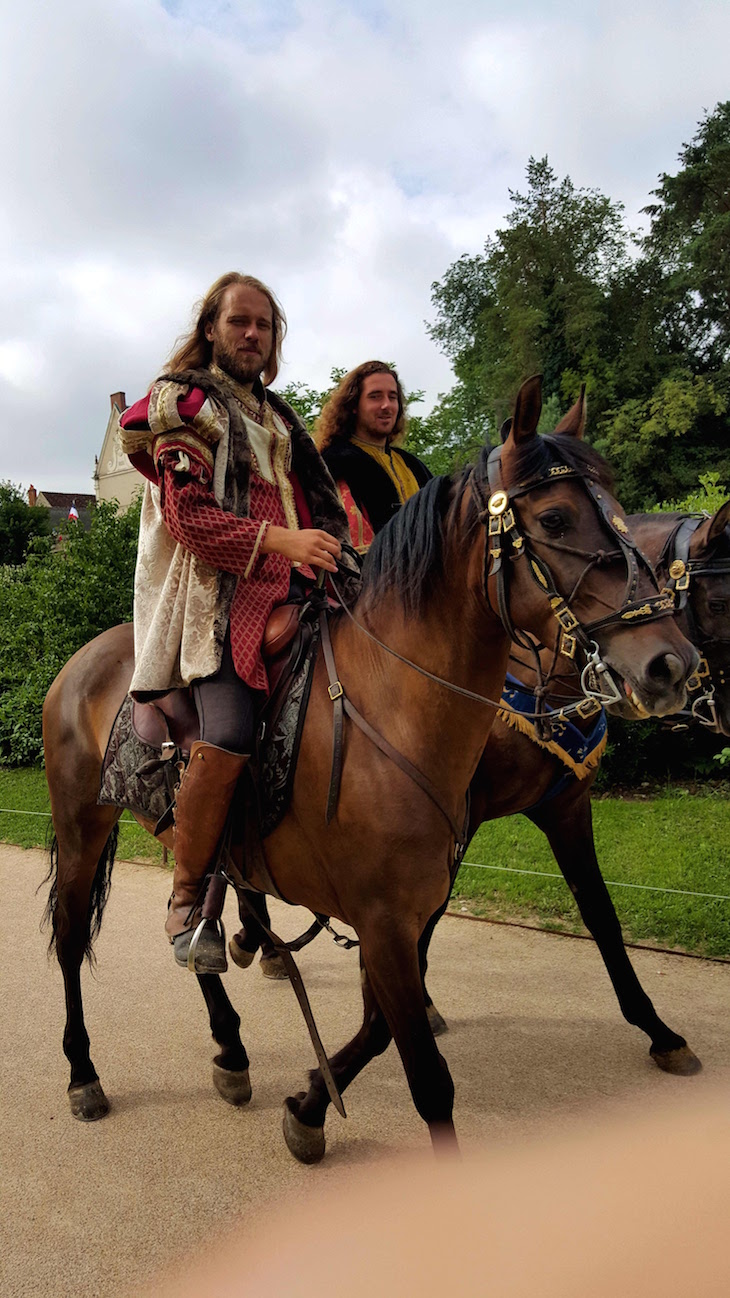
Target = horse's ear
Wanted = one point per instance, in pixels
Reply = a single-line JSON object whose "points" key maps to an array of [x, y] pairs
{"points": [[574, 423], [709, 532], [505, 430], [527, 409]]}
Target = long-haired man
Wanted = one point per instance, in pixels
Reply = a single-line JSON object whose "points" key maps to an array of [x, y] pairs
{"points": [[236, 496], [358, 433]]}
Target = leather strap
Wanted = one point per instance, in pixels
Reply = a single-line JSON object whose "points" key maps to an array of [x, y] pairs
{"points": [[342, 704], [300, 991], [337, 695]]}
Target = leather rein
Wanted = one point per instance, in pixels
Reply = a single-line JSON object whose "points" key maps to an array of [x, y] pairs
{"points": [[504, 536]]}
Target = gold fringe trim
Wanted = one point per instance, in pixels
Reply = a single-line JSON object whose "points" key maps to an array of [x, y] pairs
{"points": [[516, 721]]}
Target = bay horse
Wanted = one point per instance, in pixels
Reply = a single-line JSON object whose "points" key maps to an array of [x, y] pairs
{"points": [[434, 593], [515, 775]]}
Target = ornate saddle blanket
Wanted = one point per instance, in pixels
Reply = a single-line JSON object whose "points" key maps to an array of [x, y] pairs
{"points": [[580, 753], [137, 773], [134, 774]]}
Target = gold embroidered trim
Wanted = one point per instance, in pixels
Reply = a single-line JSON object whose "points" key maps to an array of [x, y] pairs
{"points": [[132, 440], [516, 721], [257, 546], [163, 415], [281, 464], [404, 481], [180, 438]]}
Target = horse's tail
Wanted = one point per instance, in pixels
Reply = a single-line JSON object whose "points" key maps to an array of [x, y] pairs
{"points": [[56, 913]]}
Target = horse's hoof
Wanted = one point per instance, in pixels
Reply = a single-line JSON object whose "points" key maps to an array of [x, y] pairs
{"points": [[88, 1102], [437, 1023], [682, 1062], [233, 1087], [272, 966], [307, 1144], [240, 956]]}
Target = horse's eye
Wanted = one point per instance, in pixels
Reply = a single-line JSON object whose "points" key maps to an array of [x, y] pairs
{"points": [[717, 605], [553, 522]]}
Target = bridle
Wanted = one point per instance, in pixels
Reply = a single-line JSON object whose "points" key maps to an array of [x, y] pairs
{"points": [[681, 569], [505, 540], [508, 541]]}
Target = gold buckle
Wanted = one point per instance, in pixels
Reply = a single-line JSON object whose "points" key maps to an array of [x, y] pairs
{"points": [[335, 691], [508, 520], [567, 620], [495, 526], [567, 645], [682, 582], [588, 708]]}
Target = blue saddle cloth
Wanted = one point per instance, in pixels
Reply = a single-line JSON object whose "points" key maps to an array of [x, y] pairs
{"points": [[579, 752]]}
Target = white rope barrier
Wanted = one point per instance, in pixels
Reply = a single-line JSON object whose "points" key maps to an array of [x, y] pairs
{"points": [[611, 883], [477, 865]]}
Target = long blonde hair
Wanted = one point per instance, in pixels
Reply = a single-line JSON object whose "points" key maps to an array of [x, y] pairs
{"points": [[194, 351]]}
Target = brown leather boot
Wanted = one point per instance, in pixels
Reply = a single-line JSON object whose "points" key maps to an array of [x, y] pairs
{"points": [[201, 807]]}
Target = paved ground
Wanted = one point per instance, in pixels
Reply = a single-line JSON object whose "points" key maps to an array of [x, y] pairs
{"points": [[536, 1040]]}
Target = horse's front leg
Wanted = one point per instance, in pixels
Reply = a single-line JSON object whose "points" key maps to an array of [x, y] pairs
{"points": [[230, 1065], [390, 953], [567, 822], [305, 1113]]}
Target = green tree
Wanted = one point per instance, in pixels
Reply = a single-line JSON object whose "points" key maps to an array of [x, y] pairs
{"points": [[690, 239], [308, 401], [51, 606], [671, 425], [19, 523], [535, 299]]}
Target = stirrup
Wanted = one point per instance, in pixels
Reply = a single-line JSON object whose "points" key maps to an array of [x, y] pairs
{"points": [[196, 937]]}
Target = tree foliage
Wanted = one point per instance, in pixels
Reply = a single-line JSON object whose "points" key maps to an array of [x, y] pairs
{"points": [[51, 606], [564, 290], [19, 523]]}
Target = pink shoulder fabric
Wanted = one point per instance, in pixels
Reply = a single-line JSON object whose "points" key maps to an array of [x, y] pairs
{"points": [[188, 407]]}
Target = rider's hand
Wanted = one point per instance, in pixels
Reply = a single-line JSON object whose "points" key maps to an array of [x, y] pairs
{"points": [[310, 545]]}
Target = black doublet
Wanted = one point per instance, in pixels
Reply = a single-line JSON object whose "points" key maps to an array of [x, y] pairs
{"points": [[372, 489]]}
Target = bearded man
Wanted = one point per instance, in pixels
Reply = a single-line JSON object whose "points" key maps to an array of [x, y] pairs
{"points": [[358, 434], [237, 496]]}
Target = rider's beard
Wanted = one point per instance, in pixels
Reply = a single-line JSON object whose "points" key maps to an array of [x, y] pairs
{"points": [[244, 367]]}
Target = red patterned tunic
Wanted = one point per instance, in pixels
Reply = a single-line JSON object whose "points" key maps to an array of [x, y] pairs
{"points": [[183, 470]]}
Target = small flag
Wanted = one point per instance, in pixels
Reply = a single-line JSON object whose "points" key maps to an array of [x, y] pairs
{"points": [[74, 513]]}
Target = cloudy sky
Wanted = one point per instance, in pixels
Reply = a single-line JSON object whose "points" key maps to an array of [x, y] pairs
{"points": [[345, 151]]}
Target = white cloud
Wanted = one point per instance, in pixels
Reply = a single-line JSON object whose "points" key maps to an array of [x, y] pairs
{"points": [[346, 152]]}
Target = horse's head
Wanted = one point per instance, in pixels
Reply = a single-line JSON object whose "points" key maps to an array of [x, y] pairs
{"points": [[692, 554], [709, 600], [563, 565]]}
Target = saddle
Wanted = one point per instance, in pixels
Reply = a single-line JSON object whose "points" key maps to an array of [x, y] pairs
{"points": [[172, 719], [138, 773]]}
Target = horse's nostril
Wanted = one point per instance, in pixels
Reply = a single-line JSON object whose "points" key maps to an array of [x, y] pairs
{"points": [[666, 669]]}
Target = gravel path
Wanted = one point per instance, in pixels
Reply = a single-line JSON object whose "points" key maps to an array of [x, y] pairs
{"points": [[536, 1041]]}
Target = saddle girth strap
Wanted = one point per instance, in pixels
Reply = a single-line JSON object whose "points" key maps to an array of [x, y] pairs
{"points": [[342, 705]]}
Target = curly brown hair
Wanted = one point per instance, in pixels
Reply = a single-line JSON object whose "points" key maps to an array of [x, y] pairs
{"points": [[194, 351], [339, 412]]}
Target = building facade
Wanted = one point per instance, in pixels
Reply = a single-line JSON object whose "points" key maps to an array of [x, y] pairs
{"points": [[114, 477]]}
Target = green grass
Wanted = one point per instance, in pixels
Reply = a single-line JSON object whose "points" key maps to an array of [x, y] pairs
{"points": [[672, 841], [24, 789]]}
